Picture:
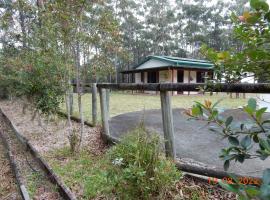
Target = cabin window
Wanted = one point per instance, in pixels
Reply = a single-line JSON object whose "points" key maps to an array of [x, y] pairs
{"points": [[200, 77], [132, 78], [152, 77], [142, 77], [180, 76], [210, 75]]}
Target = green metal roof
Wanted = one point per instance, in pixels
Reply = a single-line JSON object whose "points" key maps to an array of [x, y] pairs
{"points": [[173, 62], [177, 61]]}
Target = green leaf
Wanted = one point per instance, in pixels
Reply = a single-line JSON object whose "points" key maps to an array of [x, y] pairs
{"points": [[246, 142], [259, 5], [266, 122], [267, 16], [252, 104], [266, 177], [265, 192], [230, 187], [196, 110], [216, 103], [233, 140], [256, 138], [226, 165], [228, 121], [264, 144], [240, 158], [234, 177], [248, 110], [252, 191], [260, 112], [242, 126]]}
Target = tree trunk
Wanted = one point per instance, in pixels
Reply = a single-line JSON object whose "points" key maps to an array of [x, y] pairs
{"points": [[22, 24], [79, 91]]}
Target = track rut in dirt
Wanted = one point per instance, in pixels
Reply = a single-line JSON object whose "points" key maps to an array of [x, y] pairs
{"points": [[8, 186], [30, 172]]}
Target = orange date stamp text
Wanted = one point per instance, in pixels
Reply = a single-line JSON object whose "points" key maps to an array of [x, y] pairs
{"points": [[240, 180]]}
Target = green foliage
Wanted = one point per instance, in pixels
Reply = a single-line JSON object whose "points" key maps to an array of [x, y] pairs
{"points": [[241, 138], [36, 76], [43, 44], [252, 59], [134, 169], [82, 171], [145, 173]]}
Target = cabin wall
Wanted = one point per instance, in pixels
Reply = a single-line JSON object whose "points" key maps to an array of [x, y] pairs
{"points": [[138, 78], [193, 76], [145, 77], [164, 76], [193, 79], [169, 76]]}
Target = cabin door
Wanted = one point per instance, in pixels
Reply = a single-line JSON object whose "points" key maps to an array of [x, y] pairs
{"points": [[180, 78]]}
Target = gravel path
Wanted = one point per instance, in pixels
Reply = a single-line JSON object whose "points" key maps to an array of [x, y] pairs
{"points": [[33, 177]]}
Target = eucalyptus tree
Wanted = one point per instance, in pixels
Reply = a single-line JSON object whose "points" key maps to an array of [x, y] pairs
{"points": [[159, 19], [47, 43]]}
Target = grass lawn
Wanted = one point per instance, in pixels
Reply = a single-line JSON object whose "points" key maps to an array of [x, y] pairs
{"points": [[126, 102]]}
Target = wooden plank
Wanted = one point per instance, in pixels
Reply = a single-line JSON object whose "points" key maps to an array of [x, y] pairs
{"points": [[167, 119], [108, 102], [219, 87], [104, 114], [70, 96], [172, 78], [94, 104]]}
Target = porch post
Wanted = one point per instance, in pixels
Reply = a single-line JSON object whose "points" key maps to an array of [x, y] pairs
{"points": [[188, 80], [157, 78], [172, 79]]}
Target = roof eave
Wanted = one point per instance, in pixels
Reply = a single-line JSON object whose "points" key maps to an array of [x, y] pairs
{"points": [[165, 68]]}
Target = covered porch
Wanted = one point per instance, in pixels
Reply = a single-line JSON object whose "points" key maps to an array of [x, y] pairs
{"points": [[168, 75]]}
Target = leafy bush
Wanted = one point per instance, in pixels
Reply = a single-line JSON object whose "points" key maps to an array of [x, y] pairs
{"points": [[140, 171], [242, 138], [35, 76]]}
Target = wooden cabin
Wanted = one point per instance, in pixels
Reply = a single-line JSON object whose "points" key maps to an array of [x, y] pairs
{"points": [[167, 69]]}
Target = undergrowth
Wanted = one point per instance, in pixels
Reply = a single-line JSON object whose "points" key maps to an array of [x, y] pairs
{"points": [[134, 169], [140, 170]]}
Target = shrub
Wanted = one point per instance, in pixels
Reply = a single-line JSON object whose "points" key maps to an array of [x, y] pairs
{"points": [[140, 170], [243, 139]]}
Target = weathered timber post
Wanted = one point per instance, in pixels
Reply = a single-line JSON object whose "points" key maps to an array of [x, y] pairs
{"points": [[167, 119], [104, 114], [108, 101], [94, 104], [71, 102]]}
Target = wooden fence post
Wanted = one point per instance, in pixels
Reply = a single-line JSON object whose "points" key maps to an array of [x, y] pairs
{"points": [[108, 102], [167, 119], [94, 104], [104, 114]]}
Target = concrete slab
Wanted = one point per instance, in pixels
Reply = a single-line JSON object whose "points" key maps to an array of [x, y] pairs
{"points": [[194, 142]]}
